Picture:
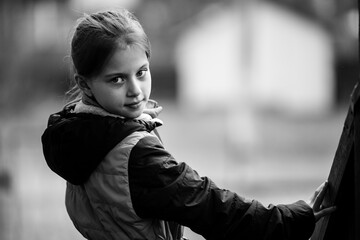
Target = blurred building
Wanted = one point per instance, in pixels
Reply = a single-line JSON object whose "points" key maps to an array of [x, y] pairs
{"points": [[261, 51], [34, 37]]}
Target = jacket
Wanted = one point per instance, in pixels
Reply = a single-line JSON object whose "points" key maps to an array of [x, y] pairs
{"points": [[76, 145]]}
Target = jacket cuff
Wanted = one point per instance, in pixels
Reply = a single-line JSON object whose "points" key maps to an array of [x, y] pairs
{"points": [[304, 219]]}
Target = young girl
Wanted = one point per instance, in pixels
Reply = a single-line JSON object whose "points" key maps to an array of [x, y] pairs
{"points": [[121, 182]]}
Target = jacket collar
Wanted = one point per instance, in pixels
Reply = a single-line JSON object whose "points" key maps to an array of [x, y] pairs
{"points": [[81, 107], [77, 139]]}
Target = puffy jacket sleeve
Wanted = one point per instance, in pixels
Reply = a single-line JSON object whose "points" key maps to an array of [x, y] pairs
{"points": [[163, 188]]}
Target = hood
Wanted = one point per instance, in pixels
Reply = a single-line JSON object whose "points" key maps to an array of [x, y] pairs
{"points": [[75, 143]]}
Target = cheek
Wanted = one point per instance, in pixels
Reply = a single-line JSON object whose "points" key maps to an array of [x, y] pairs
{"points": [[107, 95], [148, 86], [100, 92]]}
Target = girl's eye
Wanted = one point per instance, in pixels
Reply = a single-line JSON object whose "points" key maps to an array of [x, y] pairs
{"points": [[141, 73], [118, 80]]}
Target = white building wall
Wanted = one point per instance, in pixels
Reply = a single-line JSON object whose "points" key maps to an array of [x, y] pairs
{"points": [[292, 68], [266, 54], [207, 61]]}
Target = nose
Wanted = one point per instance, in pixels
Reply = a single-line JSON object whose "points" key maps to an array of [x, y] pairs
{"points": [[133, 89]]}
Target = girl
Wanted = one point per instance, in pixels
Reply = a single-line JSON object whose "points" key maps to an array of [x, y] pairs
{"points": [[121, 182]]}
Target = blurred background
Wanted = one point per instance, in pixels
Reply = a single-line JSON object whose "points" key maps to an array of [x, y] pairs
{"points": [[254, 92]]}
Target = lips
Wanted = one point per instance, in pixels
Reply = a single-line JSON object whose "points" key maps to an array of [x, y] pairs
{"points": [[134, 105]]}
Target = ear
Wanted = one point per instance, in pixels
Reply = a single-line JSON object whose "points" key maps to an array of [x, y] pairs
{"points": [[83, 84]]}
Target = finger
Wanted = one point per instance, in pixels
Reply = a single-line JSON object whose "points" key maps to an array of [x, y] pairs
{"points": [[151, 104], [315, 194], [318, 190], [324, 212], [312, 199], [158, 110], [320, 196], [154, 112], [150, 112]]}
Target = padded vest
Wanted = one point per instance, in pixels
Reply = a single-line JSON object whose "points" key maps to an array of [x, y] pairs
{"points": [[102, 208]]}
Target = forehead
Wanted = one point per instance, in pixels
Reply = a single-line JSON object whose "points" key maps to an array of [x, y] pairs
{"points": [[127, 59]]}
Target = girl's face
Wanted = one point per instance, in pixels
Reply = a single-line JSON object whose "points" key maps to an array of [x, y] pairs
{"points": [[124, 85]]}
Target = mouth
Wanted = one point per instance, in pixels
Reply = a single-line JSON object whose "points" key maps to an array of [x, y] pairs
{"points": [[134, 105]]}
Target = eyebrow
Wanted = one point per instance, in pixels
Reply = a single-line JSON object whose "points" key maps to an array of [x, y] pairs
{"points": [[124, 74], [115, 74]]}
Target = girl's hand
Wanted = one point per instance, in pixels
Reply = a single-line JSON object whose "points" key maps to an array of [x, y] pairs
{"points": [[316, 200], [152, 108], [153, 112]]}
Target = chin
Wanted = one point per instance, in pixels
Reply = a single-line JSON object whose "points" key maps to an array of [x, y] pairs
{"points": [[133, 114]]}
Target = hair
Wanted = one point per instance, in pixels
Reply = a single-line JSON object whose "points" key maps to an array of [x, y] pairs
{"points": [[95, 38]]}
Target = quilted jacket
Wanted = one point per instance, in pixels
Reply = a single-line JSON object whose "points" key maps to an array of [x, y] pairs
{"points": [[102, 156]]}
